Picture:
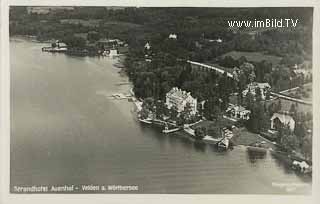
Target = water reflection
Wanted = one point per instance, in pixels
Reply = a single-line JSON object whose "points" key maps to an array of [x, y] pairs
{"points": [[255, 156], [200, 146]]}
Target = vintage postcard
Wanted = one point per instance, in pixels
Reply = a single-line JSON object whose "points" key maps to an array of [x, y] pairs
{"points": [[125, 99]]}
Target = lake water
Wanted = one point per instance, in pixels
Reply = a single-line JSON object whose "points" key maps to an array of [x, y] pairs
{"points": [[66, 130]]}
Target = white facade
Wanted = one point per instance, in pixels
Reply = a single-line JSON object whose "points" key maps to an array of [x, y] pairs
{"points": [[238, 112], [286, 120], [173, 36], [147, 46], [110, 53], [216, 40], [264, 88], [179, 99]]}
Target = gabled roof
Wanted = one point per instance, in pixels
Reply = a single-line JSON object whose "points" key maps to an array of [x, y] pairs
{"points": [[237, 108], [260, 85], [282, 117], [179, 93], [173, 35]]}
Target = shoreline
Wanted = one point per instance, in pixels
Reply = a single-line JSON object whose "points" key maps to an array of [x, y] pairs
{"points": [[137, 104], [31, 38], [284, 157], [72, 51]]}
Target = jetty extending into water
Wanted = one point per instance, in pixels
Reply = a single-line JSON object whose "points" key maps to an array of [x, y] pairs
{"points": [[166, 131], [120, 96], [54, 49]]}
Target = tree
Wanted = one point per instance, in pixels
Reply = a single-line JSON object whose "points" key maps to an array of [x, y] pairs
{"points": [[200, 132], [144, 113], [248, 70], [267, 94], [293, 109], [228, 61], [214, 131], [173, 113], [242, 60], [161, 109], [259, 119], [251, 77], [212, 110], [225, 89], [288, 140], [249, 100], [278, 107], [307, 148], [149, 103], [73, 41], [258, 94], [180, 120], [93, 36], [300, 130]]}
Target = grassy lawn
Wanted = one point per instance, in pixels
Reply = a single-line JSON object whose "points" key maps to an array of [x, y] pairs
{"points": [[244, 137], [307, 88], [96, 22], [81, 35], [233, 99], [220, 67], [241, 135], [286, 105], [208, 123], [254, 56], [87, 23], [121, 23], [214, 127]]}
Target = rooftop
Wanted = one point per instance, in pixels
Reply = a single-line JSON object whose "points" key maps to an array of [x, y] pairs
{"points": [[284, 118], [237, 108], [173, 36], [178, 93], [260, 85]]}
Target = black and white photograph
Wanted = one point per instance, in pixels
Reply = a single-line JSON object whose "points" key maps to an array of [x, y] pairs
{"points": [[161, 100]]}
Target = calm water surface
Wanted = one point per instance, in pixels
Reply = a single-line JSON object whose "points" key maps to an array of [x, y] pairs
{"points": [[65, 130]]}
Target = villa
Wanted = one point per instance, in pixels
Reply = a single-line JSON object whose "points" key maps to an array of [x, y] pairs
{"points": [[219, 40], [278, 120], [173, 36], [147, 46], [238, 112], [252, 87], [109, 43], [179, 99]]}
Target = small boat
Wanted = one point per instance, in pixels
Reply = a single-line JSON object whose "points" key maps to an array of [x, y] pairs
{"points": [[223, 144], [52, 49]]}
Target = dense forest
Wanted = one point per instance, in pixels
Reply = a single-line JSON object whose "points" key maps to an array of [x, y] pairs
{"points": [[195, 27], [137, 25]]}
